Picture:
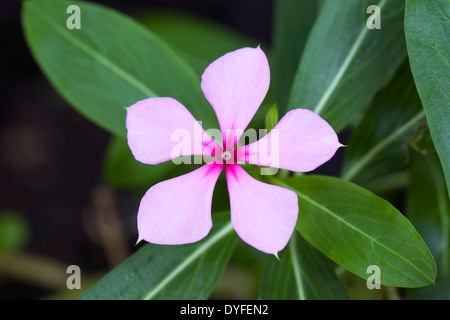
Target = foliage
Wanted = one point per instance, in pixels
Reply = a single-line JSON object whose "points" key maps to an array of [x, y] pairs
{"points": [[384, 86]]}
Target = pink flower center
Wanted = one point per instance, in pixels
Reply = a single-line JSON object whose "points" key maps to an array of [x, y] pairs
{"points": [[226, 155]]}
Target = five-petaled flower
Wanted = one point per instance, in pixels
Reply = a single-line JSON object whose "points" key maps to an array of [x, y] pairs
{"points": [[178, 211]]}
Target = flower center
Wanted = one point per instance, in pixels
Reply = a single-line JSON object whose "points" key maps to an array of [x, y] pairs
{"points": [[226, 155]]}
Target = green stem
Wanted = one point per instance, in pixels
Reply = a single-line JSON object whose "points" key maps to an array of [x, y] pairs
{"points": [[36, 269]]}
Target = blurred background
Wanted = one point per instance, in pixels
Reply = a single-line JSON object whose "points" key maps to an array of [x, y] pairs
{"points": [[56, 209]]}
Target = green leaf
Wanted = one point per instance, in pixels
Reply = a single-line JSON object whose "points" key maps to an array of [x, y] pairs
{"points": [[387, 183], [199, 40], [427, 29], [357, 229], [422, 142], [293, 20], [271, 118], [122, 169], [344, 62], [428, 207], [157, 272], [302, 274], [378, 144], [108, 64], [14, 232]]}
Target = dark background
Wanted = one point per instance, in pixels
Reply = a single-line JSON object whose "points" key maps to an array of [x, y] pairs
{"points": [[51, 157]]}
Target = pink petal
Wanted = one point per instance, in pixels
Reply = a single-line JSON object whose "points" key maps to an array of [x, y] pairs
{"points": [[160, 129], [263, 215], [235, 85], [178, 211], [301, 141]]}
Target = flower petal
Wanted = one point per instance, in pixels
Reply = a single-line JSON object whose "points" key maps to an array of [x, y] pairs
{"points": [[178, 211], [235, 85], [301, 141], [160, 129], [262, 214]]}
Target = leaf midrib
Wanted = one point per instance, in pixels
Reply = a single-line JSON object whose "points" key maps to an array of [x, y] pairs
{"points": [[381, 145], [107, 63], [335, 216], [344, 66], [226, 229], [296, 268]]}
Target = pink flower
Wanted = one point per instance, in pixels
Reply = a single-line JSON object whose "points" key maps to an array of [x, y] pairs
{"points": [[178, 211]]}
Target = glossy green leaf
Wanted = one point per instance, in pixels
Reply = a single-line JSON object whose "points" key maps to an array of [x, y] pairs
{"points": [[302, 274], [378, 144], [108, 64], [199, 40], [292, 20], [428, 207], [357, 229], [427, 29], [344, 63], [170, 272]]}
